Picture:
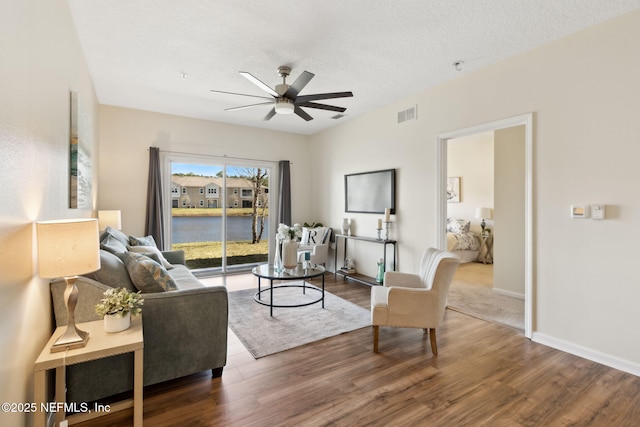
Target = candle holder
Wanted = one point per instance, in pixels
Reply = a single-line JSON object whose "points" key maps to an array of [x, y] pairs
{"points": [[379, 230], [387, 226]]}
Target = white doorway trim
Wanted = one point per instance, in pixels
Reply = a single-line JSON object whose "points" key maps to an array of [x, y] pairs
{"points": [[441, 202]]}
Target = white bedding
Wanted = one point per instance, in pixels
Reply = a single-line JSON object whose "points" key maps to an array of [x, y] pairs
{"points": [[466, 245]]}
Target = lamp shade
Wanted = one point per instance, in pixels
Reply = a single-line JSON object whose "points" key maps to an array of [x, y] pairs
{"points": [[109, 219], [68, 247], [483, 213]]}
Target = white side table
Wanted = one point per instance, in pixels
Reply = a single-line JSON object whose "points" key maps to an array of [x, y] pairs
{"points": [[485, 255], [101, 344]]}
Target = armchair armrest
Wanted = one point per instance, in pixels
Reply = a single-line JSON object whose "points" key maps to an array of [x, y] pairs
{"points": [[175, 257], [395, 278]]}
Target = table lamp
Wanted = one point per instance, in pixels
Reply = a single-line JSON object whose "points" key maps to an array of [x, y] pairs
{"points": [[68, 248], [110, 219], [483, 213]]}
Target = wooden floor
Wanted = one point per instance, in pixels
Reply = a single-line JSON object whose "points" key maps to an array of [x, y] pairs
{"points": [[485, 374]]}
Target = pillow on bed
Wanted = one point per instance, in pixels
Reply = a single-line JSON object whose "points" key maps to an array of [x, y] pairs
{"points": [[458, 225]]}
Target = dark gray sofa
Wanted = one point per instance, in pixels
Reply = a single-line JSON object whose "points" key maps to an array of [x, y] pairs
{"points": [[185, 330]]}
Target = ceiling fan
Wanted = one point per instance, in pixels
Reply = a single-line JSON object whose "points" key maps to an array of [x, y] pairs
{"points": [[284, 97]]}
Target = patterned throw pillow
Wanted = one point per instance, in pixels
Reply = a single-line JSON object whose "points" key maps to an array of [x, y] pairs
{"points": [[147, 275], [142, 241], [153, 250], [458, 226]]}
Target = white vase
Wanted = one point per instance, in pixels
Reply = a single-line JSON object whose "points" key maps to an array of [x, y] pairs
{"points": [[290, 254], [116, 322], [345, 226]]}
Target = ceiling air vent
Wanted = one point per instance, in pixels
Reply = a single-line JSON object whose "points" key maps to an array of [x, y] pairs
{"points": [[408, 114], [338, 116]]}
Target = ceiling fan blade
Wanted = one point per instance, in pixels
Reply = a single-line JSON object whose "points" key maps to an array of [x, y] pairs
{"points": [[322, 106], [318, 96], [248, 106], [270, 114], [298, 85], [258, 83], [300, 112], [241, 94]]}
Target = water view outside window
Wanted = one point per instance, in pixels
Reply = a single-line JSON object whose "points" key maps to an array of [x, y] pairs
{"points": [[226, 225]]}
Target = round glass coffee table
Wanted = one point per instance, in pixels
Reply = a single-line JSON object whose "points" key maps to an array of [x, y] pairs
{"points": [[266, 271]]}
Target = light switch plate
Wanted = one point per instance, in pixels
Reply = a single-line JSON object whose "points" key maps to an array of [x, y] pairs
{"points": [[598, 211]]}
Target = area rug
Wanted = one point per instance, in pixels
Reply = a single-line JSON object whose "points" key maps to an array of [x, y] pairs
{"points": [[483, 303], [262, 334]]}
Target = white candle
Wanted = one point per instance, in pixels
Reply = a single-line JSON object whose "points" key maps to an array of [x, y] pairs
{"points": [[379, 223], [387, 214]]}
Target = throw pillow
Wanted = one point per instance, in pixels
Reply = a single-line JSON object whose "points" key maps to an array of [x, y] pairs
{"points": [[116, 234], [113, 245], [147, 275], [314, 236], [152, 249], [142, 241], [458, 226]]}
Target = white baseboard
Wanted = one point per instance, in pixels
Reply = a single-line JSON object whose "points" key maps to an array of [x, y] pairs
{"points": [[588, 353], [508, 293]]}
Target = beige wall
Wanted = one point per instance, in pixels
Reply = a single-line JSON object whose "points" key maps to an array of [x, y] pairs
{"points": [[41, 62], [126, 135], [509, 212], [583, 91], [471, 158]]}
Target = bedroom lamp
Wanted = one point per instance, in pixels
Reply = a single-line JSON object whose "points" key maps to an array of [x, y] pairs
{"points": [[68, 248], [483, 213], [109, 219]]}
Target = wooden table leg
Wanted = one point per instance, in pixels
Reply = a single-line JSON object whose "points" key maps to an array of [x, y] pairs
{"points": [[39, 390], [137, 388], [61, 393]]}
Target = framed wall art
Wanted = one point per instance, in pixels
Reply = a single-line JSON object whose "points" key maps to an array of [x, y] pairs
{"points": [[80, 175], [453, 189]]}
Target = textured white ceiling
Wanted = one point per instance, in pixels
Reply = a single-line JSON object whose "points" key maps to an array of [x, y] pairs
{"points": [[380, 50]]}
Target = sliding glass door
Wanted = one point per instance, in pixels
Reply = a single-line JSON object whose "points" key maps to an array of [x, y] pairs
{"points": [[220, 213]]}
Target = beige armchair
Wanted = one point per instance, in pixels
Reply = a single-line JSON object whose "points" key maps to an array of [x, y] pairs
{"points": [[414, 300]]}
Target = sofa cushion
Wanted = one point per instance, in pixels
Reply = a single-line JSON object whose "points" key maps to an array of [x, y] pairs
{"points": [[142, 241], [116, 234], [152, 250], [184, 278], [147, 275], [112, 272]]}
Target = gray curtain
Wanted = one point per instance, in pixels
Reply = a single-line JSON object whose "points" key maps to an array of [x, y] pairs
{"points": [[284, 200], [154, 222]]}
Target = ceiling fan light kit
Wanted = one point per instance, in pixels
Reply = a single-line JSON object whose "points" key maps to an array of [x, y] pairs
{"points": [[285, 97], [284, 106]]}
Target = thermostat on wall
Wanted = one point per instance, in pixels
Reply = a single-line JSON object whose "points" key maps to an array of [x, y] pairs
{"points": [[580, 211]]}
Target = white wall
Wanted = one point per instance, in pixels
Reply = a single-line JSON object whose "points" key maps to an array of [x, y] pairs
{"points": [[126, 135], [509, 213], [471, 158], [584, 91], [41, 62]]}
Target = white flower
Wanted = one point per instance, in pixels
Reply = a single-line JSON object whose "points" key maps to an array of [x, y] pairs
{"points": [[289, 233]]}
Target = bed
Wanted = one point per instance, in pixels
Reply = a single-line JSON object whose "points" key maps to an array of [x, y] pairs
{"points": [[461, 241]]}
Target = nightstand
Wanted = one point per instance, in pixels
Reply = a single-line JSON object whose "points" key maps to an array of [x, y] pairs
{"points": [[101, 344], [485, 255]]}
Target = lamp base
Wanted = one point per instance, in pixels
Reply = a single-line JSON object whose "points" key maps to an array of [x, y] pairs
{"points": [[72, 338]]}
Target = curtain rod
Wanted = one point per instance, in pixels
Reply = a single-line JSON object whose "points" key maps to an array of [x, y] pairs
{"points": [[218, 156]]}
